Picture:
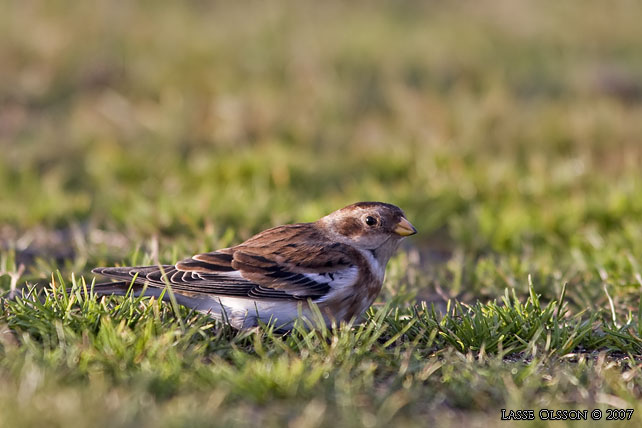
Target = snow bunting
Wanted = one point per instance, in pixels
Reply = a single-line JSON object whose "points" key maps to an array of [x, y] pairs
{"points": [[337, 262]]}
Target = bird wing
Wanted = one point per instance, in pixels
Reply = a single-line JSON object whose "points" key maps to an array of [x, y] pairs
{"points": [[287, 262]]}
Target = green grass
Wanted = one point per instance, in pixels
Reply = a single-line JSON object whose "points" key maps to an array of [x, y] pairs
{"points": [[509, 132]]}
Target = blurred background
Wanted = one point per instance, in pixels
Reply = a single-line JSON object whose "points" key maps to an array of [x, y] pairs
{"points": [[509, 131]]}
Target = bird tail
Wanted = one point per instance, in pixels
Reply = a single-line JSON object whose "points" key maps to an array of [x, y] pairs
{"points": [[119, 288], [123, 288], [127, 280]]}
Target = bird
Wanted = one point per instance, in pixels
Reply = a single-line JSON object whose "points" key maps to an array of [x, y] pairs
{"points": [[277, 276]]}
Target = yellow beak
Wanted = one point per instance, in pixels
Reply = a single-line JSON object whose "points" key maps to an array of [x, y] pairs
{"points": [[404, 228]]}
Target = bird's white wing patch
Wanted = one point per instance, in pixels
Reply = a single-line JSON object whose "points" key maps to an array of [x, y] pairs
{"points": [[339, 281], [233, 274]]}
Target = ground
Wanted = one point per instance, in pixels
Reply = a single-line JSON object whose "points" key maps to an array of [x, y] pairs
{"points": [[509, 131]]}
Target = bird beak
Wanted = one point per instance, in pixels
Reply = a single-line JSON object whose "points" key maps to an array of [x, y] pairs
{"points": [[404, 228]]}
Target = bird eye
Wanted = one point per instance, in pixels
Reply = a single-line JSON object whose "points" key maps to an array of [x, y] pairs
{"points": [[371, 221]]}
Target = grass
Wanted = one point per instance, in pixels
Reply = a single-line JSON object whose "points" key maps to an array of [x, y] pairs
{"points": [[509, 132]]}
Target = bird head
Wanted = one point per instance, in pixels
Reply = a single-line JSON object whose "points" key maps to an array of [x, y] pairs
{"points": [[369, 226]]}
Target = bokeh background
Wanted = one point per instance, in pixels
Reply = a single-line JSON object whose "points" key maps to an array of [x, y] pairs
{"points": [[256, 111], [509, 131], [499, 126]]}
